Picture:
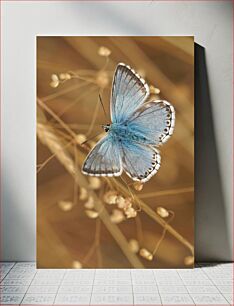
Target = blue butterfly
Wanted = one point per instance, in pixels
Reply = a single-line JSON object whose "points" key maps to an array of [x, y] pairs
{"points": [[137, 128]]}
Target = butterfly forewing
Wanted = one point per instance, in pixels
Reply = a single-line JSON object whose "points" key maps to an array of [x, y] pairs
{"points": [[129, 92]]}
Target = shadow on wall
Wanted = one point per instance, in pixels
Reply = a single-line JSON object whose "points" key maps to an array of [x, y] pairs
{"points": [[210, 222]]}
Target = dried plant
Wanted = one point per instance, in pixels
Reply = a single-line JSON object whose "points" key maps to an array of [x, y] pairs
{"points": [[111, 203]]}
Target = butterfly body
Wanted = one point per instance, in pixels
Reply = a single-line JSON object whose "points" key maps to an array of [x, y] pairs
{"points": [[138, 127], [122, 132]]}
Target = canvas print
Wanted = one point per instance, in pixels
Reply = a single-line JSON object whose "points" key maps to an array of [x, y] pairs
{"points": [[115, 152]]}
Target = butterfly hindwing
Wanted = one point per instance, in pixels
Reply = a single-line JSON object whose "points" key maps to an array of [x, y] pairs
{"points": [[156, 120], [140, 162], [129, 92], [103, 159]]}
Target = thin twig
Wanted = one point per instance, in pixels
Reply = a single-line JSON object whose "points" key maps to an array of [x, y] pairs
{"points": [[41, 166], [97, 240], [139, 229], [49, 111], [163, 234], [62, 92], [75, 180], [158, 219], [54, 144], [165, 192], [145, 207]]}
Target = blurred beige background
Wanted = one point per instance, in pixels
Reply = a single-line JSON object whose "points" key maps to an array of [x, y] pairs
{"points": [[62, 224], [210, 23]]}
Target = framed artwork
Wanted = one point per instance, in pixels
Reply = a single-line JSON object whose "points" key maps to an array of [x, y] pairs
{"points": [[115, 152]]}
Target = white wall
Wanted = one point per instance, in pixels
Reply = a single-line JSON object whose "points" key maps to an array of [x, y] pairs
{"points": [[211, 24]]}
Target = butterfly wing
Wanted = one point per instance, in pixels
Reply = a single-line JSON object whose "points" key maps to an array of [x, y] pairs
{"points": [[129, 92], [140, 162], [155, 120], [103, 159]]}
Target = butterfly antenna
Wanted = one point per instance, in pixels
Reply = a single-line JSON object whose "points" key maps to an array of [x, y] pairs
{"points": [[100, 98]]}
